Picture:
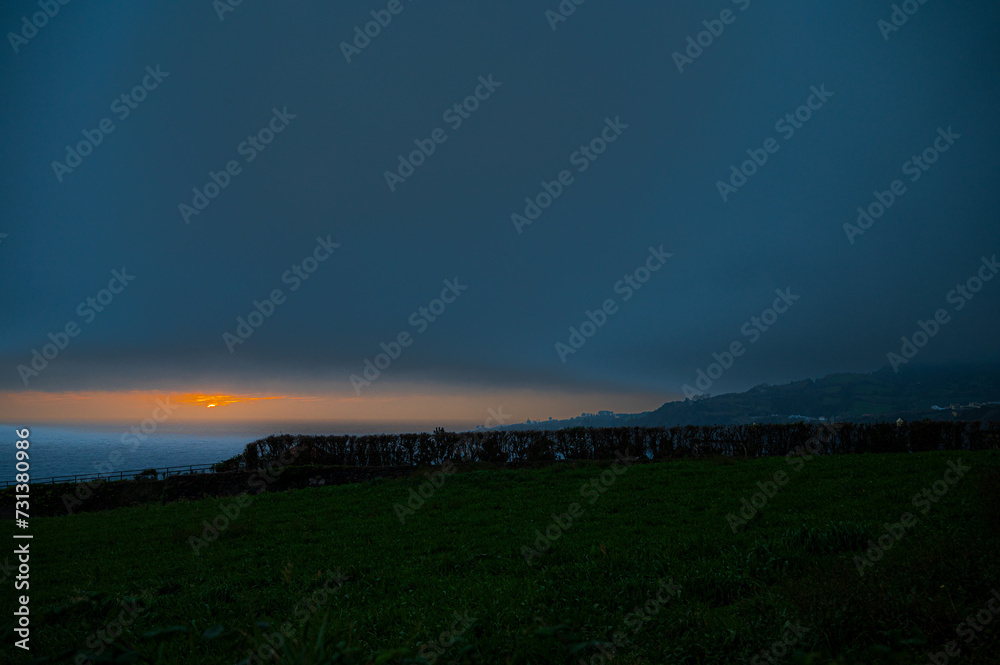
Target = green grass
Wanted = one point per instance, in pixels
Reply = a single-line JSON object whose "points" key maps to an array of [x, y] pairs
{"points": [[461, 552]]}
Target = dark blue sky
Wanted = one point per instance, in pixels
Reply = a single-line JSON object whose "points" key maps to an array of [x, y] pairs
{"points": [[656, 184]]}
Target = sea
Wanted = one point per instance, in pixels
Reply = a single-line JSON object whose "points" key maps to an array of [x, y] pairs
{"points": [[76, 449]]}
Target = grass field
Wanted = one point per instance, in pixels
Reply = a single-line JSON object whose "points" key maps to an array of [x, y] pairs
{"points": [[650, 561]]}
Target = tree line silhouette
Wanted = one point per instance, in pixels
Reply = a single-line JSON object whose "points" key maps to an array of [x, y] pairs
{"points": [[646, 443]]}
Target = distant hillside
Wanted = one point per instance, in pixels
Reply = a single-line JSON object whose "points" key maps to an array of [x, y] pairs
{"points": [[915, 394]]}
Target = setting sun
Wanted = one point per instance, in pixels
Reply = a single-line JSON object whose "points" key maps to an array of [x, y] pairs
{"points": [[215, 400]]}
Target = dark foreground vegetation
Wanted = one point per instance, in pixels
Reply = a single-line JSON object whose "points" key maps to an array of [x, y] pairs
{"points": [[87, 496], [861, 558], [284, 462]]}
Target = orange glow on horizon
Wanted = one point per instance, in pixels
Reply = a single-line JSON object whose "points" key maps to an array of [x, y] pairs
{"points": [[438, 405], [218, 400]]}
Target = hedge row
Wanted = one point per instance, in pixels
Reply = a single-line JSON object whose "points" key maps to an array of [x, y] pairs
{"points": [[652, 443]]}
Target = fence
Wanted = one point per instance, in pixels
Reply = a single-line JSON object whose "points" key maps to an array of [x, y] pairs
{"points": [[120, 475]]}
